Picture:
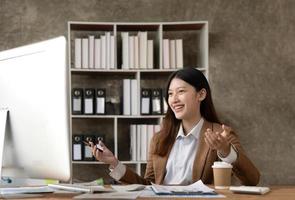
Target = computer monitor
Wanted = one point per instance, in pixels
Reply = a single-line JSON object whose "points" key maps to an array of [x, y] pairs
{"points": [[33, 86]]}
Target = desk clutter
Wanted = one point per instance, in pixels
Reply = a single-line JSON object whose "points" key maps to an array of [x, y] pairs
{"points": [[93, 190]]}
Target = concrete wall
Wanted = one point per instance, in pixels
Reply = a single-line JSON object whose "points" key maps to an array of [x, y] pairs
{"points": [[252, 60]]}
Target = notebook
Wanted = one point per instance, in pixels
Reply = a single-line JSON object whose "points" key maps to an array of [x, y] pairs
{"points": [[249, 189]]}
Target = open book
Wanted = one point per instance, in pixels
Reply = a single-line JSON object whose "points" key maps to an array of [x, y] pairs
{"points": [[197, 188]]}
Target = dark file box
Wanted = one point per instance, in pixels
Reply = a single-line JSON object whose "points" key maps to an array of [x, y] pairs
{"points": [[100, 101], [87, 156], [145, 101], [89, 106], [156, 101], [77, 101], [77, 147]]}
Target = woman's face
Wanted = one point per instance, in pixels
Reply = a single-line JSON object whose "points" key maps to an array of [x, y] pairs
{"points": [[183, 99]]}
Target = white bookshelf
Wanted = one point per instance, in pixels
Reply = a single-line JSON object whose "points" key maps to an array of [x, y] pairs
{"points": [[195, 54]]}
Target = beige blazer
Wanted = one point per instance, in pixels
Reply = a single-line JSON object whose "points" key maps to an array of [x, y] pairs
{"points": [[243, 168]]}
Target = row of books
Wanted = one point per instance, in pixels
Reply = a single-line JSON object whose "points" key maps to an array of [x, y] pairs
{"points": [[140, 139], [151, 100], [95, 53], [172, 54], [80, 150], [88, 101], [137, 51]]}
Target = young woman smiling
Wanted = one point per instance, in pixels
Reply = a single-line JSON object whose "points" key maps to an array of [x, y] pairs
{"points": [[190, 140]]}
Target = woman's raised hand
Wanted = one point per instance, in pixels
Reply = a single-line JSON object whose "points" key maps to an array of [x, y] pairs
{"points": [[219, 140], [103, 154]]}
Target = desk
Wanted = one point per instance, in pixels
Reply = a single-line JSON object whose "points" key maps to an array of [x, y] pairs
{"points": [[276, 193]]}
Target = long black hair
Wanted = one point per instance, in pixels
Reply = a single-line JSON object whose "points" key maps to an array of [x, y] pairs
{"points": [[171, 124]]}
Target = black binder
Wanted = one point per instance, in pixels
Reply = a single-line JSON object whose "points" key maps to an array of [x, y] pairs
{"points": [[87, 156], [89, 94], [156, 101], [77, 151], [100, 101], [77, 101], [145, 101]]}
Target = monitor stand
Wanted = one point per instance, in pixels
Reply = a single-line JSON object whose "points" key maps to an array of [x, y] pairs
{"points": [[3, 119]]}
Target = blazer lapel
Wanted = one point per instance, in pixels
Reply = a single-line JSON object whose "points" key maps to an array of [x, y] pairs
{"points": [[202, 152], [160, 168]]}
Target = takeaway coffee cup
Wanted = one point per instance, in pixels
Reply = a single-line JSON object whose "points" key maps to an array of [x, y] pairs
{"points": [[222, 175]]}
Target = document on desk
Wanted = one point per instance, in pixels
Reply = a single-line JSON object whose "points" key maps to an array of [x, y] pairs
{"points": [[196, 188], [80, 188], [112, 195], [25, 190]]}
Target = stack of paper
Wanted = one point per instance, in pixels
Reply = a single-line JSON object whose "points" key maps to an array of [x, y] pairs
{"points": [[193, 189]]}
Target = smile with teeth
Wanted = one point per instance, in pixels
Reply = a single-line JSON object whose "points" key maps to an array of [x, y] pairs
{"points": [[178, 108]]}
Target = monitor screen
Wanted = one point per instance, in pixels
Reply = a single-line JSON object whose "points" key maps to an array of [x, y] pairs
{"points": [[33, 86]]}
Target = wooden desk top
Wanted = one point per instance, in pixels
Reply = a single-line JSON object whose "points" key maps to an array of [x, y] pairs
{"points": [[276, 193]]}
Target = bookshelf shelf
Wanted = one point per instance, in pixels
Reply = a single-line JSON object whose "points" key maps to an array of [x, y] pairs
{"points": [[114, 126], [117, 116]]}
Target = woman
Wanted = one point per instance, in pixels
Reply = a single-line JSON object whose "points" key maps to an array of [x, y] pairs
{"points": [[190, 140]]}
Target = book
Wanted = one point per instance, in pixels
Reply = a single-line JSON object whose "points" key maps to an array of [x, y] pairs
{"points": [[136, 52], [97, 53], [179, 53], [78, 53], [150, 54], [142, 50], [91, 51], [85, 58], [138, 140], [131, 52], [103, 49], [112, 64], [125, 50], [172, 52], [133, 141], [134, 97], [166, 59], [143, 142], [126, 97], [108, 50]]}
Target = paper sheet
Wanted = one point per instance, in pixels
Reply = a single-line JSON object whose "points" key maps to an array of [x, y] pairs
{"points": [[196, 188]]}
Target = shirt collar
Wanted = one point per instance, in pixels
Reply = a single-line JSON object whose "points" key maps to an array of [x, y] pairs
{"points": [[194, 132]]}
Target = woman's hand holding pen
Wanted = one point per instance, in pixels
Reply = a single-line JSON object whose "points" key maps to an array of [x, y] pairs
{"points": [[103, 154], [219, 141]]}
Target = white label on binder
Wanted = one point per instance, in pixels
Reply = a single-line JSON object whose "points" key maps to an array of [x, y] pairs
{"points": [[157, 105], [77, 151], [88, 152], [145, 106], [88, 106], [77, 105], [100, 103]]}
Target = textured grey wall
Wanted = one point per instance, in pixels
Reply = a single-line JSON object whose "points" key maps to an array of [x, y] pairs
{"points": [[252, 59]]}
